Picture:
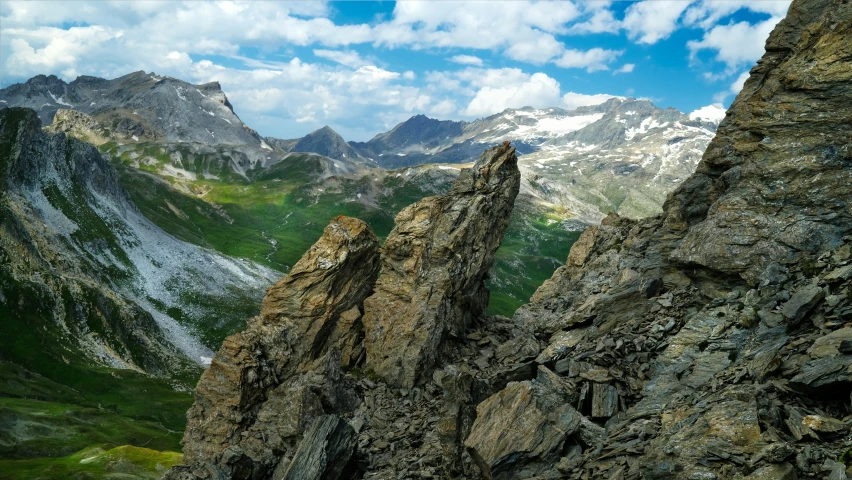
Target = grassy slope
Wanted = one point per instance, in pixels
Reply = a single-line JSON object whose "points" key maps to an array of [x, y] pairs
{"points": [[238, 218], [94, 463], [54, 404]]}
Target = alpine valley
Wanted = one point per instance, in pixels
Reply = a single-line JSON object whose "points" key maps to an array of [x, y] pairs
{"points": [[141, 222]]}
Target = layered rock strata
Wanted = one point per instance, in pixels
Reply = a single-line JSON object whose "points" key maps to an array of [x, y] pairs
{"points": [[267, 385], [434, 265]]}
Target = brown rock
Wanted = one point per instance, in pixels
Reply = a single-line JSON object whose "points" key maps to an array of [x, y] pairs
{"points": [[527, 422], [254, 400], [434, 265]]}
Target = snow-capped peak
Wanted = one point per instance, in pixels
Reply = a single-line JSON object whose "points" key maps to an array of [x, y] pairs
{"points": [[711, 113]]}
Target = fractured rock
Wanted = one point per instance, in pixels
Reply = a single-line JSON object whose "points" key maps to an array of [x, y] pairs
{"points": [[526, 422], [266, 385], [434, 265], [325, 452]]}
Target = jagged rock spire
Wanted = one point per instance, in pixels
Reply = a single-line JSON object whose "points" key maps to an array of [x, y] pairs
{"points": [[255, 400], [434, 265]]}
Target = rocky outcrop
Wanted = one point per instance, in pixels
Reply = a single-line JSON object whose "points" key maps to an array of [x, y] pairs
{"points": [[712, 342], [267, 385], [708, 339], [434, 265], [260, 406]]}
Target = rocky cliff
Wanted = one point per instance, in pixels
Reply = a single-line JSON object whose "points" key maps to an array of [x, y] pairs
{"points": [[712, 342], [282, 378]]}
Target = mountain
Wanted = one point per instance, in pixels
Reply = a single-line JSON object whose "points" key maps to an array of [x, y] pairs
{"points": [[139, 107], [326, 142], [709, 342], [101, 309], [416, 135], [424, 140], [623, 155]]}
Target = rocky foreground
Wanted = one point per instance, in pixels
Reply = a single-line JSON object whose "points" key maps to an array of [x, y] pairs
{"points": [[712, 342]]}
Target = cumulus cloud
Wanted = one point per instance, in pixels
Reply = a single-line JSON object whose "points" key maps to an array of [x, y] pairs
{"points": [[626, 68], [467, 60], [734, 89], [537, 90], [653, 20], [736, 44], [524, 31], [707, 13], [592, 60], [602, 20]]}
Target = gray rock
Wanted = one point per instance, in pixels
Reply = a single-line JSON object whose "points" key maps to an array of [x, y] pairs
{"points": [[526, 422], [801, 303], [434, 264], [325, 452]]}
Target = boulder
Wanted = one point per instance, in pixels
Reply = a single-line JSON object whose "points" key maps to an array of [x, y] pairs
{"points": [[525, 423], [325, 452]]}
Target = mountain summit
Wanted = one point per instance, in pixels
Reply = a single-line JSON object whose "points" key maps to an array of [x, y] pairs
{"points": [[139, 106], [327, 142]]}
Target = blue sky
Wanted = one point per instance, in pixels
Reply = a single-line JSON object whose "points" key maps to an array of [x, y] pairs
{"points": [[292, 67]]}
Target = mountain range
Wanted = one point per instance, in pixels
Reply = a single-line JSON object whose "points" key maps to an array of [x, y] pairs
{"points": [[165, 233]]}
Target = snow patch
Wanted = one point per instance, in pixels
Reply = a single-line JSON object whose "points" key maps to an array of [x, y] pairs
{"points": [[59, 100]]}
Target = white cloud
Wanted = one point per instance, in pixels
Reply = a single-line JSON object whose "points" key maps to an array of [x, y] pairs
{"points": [[49, 49], [626, 68], [538, 49], [523, 30], [347, 58], [734, 89], [572, 100], [736, 44], [592, 60], [653, 20], [443, 108], [467, 60], [601, 21], [707, 13], [537, 90]]}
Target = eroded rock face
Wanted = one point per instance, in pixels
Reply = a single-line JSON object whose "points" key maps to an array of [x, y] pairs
{"points": [[434, 264], [767, 192], [719, 327], [709, 343], [268, 384]]}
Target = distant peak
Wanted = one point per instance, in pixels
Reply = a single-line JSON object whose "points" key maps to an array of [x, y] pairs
{"points": [[325, 130]]}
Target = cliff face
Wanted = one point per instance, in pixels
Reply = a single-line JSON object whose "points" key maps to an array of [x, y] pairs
{"points": [[79, 257], [707, 342], [712, 342]]}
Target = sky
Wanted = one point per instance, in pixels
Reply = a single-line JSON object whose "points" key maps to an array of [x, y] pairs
{"points": [[362, 67]]}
